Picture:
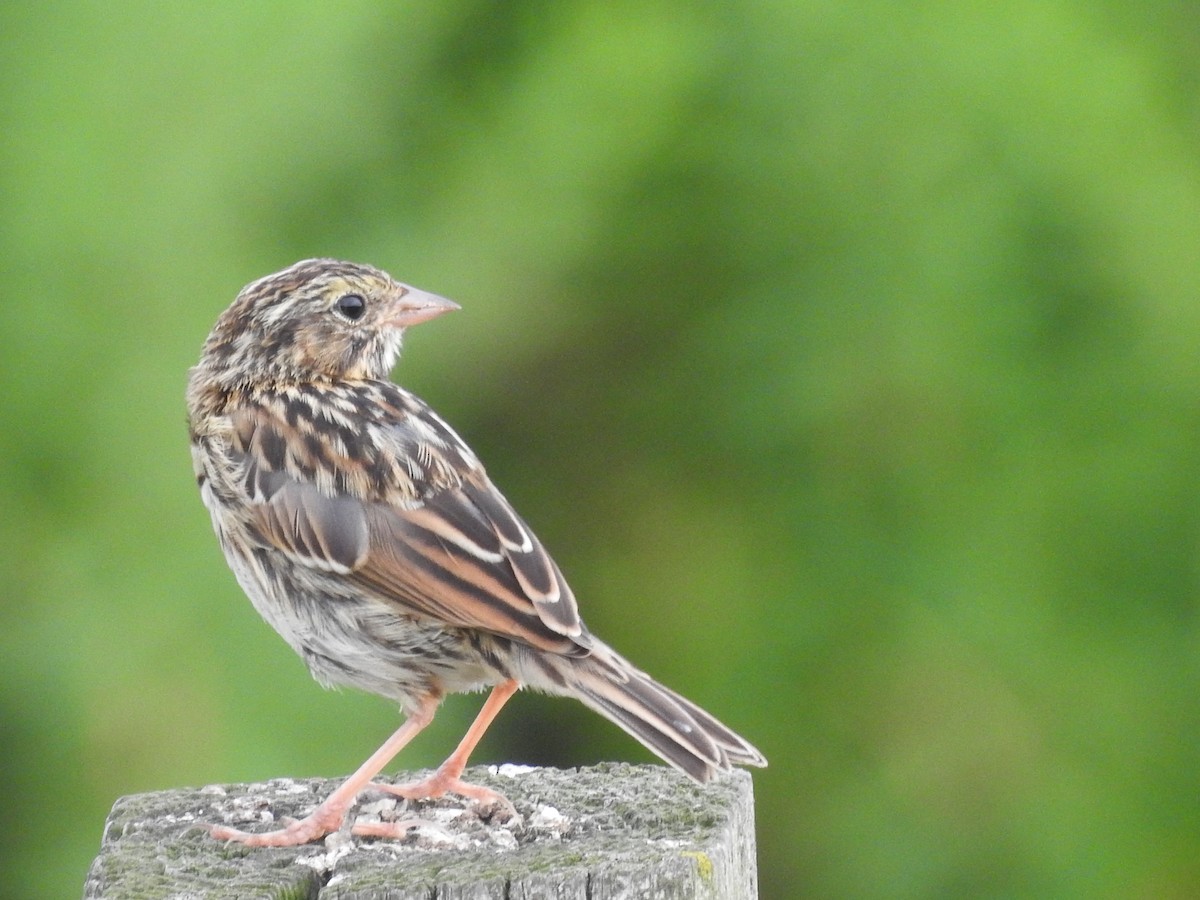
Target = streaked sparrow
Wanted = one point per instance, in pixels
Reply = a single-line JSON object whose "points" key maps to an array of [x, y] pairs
{"points": [[368, 535]]}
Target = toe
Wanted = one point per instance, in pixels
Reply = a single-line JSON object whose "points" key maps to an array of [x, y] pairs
{"points": [[396, 831], [296, 832]]}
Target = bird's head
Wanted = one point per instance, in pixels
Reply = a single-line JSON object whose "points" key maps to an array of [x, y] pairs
{"points": [[317, 319]]}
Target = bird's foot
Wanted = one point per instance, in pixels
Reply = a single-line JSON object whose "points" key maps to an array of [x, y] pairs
{"points": [[320, 822], [445, 782]]}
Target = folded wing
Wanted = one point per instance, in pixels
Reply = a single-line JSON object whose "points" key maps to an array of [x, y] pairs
{"points": [[450, 549]]}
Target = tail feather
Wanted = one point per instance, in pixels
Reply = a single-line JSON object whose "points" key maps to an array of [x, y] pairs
{"points": [[669, 725]]}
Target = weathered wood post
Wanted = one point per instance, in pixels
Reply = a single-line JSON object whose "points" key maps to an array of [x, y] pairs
{"points": [[613, 831]]}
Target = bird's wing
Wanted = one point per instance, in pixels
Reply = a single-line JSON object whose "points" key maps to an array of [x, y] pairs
{"points": [[411, 517]]}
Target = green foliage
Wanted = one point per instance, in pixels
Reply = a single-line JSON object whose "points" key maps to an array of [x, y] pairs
{"points": [[844, 354]]}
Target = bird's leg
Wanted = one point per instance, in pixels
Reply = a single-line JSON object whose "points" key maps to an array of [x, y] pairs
{"points": [[332, 812], [447, 778]]}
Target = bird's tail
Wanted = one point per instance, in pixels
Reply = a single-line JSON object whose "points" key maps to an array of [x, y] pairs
{"points": [[670, 725]]}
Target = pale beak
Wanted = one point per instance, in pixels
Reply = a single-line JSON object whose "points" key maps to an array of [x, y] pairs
{"points": [[415, 306]]}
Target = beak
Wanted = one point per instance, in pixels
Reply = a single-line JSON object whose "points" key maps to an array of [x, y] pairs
{"points": [[416, 306]]}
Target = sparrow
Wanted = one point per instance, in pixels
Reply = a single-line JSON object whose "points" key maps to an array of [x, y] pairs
{"points": [[367, 533]]}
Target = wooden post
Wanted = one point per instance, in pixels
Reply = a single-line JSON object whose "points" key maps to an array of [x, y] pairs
{"points": [[612, 831]]}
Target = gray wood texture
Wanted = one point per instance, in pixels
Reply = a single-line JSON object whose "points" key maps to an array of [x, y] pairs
{"points": [[612, 831]]}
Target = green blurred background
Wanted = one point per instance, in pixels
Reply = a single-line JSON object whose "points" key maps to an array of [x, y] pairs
{"points": [[845, 355]]}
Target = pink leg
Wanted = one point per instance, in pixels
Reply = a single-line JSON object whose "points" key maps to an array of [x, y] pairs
{"points": [[330, 814], [447, 777]]}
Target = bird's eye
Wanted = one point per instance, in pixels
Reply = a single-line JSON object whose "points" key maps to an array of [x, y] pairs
{"points": [[352, 306]]}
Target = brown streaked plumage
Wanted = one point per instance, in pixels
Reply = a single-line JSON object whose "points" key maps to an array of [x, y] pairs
{"points": [[368, 535]]}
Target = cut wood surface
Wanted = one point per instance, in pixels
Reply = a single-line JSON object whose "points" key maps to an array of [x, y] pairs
{"points": [[612, 831]]}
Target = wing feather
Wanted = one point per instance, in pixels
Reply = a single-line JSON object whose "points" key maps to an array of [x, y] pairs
{"points": [[450, 549]]}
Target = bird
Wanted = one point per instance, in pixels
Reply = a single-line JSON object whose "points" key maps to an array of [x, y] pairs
{"points": [[367, 533]]}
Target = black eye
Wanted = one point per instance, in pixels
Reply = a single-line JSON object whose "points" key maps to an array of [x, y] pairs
{"points": [[352, 306]]}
